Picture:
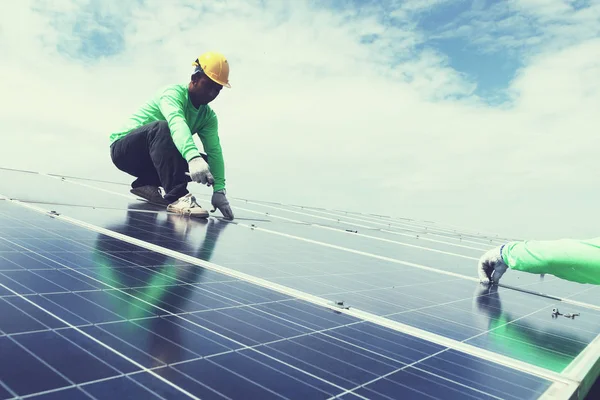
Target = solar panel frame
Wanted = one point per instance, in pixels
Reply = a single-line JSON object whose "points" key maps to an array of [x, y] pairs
{"points": [[576, 369]]}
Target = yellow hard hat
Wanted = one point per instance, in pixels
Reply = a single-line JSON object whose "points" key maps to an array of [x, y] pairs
{"points": [[215, 66]]}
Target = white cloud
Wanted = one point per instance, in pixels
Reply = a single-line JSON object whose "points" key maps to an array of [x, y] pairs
{"points": [[543, 7], [315, 115]]}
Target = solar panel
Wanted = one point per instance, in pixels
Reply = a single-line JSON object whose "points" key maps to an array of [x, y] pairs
{"points": [[114, 296]]}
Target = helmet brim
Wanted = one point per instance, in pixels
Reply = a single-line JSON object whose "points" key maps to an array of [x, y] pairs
{"points": [[198, 68]]}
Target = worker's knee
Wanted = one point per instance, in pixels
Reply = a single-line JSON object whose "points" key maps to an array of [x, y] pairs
{"points": [[161, 130], [161, 143], [161, 137]]}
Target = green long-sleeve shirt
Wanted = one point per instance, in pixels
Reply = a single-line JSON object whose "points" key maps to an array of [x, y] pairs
{"points": [[173, 105], [570, 259]]}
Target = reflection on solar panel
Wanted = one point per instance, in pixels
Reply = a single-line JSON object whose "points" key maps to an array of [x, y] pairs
{"points": [[105, 296]]}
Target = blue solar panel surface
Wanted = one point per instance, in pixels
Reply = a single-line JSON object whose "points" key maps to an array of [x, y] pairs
{"points": [[86, 314]]}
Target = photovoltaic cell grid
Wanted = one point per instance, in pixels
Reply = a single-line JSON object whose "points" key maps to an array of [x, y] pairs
{"points": [[89, 322], [510, 323]]}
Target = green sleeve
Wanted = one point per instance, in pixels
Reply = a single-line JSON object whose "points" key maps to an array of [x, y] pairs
{"points": [[570, 259], [209, 136], [171, 106]]}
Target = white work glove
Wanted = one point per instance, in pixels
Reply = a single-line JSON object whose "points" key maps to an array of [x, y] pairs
{"points": [[199, 171], [491, 266]]}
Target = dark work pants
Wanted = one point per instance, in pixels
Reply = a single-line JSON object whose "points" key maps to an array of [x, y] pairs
{"points": [[149, 154]]}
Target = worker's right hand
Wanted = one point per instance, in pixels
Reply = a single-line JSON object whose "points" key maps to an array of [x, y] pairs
{"points": [[491, 266], [199, 171]]}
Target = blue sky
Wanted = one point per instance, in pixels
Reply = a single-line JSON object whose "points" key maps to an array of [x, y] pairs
{"points": [[441, 25], [476, 113]]}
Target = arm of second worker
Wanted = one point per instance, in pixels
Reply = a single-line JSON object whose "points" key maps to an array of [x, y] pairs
{"points": [[171, 105], [209, 136], [569, 259]]}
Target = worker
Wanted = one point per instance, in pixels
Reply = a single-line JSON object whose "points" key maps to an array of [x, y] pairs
{"points": [[569, 259], [157, 147]]}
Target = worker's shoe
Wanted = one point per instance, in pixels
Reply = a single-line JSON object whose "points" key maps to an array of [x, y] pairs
{"points": [[187, 205], [151, 194]]}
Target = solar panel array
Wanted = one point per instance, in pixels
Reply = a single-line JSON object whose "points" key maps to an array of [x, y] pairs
{"points": [[105, 296]]}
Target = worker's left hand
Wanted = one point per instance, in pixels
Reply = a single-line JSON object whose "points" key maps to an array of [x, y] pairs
{"points": [[219, 200], [491, 267]]}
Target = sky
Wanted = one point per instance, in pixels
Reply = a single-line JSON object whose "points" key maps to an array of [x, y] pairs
{"points": [[482, 114]]}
